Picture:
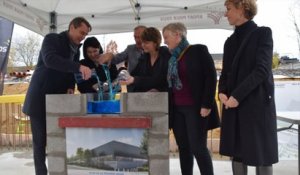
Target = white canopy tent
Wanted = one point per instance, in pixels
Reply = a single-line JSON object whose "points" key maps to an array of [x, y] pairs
{"points": [[114, 16]]}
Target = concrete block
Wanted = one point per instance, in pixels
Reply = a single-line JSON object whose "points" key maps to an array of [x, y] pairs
{"points": [[56, 144], [160, 123], [159, 166], [57, 165], [158, 145], [52, 125], [66, 104], [144, 102]]}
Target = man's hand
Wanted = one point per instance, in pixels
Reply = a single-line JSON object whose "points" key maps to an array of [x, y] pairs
{"points": [[105, 58], [85, 71], [112, 47]]}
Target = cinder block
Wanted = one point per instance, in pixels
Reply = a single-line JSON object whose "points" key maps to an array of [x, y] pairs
{"points": [[52, 125], [158, 145], [66, 104], [160, 123], [57, 165], [159, 167], [145, 102], [56, 144]]}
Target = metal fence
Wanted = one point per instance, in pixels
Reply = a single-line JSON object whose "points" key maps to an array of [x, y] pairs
{"points": [[15, 127]]}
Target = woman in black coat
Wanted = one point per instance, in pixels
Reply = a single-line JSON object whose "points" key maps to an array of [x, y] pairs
{"points": [[150, 74], [192, 80], [246, 88], [91, 52]]}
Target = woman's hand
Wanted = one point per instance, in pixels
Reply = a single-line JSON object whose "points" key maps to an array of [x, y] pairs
{"points": [[231, 103], [70, 91], [223, 98], [204, 112], [153, 90], [128, 81]]}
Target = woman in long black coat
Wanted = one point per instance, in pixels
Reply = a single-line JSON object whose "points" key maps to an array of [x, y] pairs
{"points": [[246, 88]]}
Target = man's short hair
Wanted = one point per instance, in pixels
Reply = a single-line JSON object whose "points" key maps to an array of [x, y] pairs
{"points": [[139, 27], [76, 22]]}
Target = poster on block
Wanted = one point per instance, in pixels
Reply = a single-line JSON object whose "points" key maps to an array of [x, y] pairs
{"points": [[287, 98], [106, 151], [287, 95]]}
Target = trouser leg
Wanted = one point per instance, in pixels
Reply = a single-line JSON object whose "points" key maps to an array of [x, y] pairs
{"points": [[238, 168], [186, 161], [185, 154], [191, 134], [264, 170], [197, 135], [38, 128]]}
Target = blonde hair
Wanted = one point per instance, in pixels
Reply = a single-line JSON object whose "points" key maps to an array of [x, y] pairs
{"points": [[249, 6], [176, 27]]}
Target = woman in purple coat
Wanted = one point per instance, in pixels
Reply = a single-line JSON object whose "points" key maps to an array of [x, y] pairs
{"points": [[246, 88]]}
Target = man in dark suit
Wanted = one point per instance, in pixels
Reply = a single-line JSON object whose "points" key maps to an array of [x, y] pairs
{"points": [[54, 74], [133, 52]]}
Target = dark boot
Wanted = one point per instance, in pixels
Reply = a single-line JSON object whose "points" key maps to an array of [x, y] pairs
{"points": [[238, 168], [264, 170]]}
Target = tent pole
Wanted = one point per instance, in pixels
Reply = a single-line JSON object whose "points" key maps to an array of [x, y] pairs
{"points": [[53, 22]]}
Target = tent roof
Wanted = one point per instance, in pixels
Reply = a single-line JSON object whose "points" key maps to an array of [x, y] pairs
{"points": [[113, 16]]}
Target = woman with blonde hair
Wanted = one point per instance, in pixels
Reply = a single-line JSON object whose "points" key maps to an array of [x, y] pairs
{"points": [[246, 89], [192, 81]]}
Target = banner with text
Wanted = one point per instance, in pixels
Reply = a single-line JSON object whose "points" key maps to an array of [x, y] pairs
{"points": [[6, 29]]}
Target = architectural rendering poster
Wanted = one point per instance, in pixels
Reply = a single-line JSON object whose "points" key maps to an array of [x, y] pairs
{"points": [[106, 151], [287, 98]]}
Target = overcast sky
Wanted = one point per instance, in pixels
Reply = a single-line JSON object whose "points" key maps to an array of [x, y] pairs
{"points": [[272, 13]]}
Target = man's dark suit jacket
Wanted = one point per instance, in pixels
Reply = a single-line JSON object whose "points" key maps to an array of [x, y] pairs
{"points": [[53, 74]]}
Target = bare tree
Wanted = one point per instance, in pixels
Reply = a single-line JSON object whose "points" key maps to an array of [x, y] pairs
{"points": [[295, 14], [10, 62], [26, 49]]}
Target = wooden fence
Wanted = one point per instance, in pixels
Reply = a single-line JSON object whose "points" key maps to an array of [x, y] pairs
{"points": [[15, 127]]}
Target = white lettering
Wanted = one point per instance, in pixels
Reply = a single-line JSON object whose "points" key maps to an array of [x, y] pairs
{"points": [[3, 49]]}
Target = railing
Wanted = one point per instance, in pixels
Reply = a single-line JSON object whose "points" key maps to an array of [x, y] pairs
{"points": [[15, 127]]}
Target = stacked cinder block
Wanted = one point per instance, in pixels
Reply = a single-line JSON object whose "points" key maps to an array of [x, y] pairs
{"points": [[151, 104]]}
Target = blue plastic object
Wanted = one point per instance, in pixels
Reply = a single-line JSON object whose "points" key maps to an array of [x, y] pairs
{"points": [[103, 107]]}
